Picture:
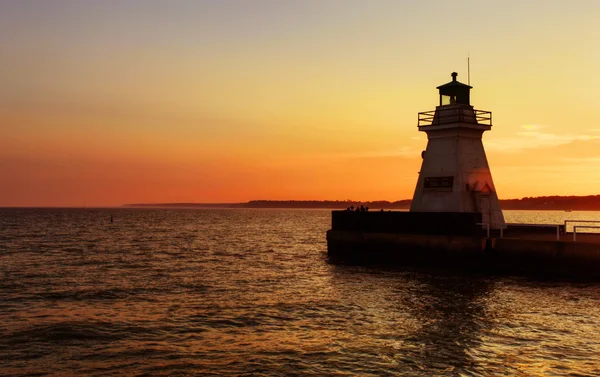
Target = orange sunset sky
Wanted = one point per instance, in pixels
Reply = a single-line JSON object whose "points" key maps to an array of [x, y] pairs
{"points": [[111, 102]]}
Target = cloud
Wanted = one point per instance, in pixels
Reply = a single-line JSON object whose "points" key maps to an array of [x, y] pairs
{"points": [[581, 160], [532, 127], [404, 151], [532, 136]]}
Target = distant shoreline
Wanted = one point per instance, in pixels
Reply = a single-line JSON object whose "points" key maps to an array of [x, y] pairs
{"points": [[306, 204], [556, 203]]}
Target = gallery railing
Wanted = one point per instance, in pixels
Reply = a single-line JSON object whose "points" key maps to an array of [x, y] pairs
{"points": [[456, 115]]}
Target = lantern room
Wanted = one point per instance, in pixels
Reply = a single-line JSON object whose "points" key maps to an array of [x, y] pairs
{"points": [[454, 92]]}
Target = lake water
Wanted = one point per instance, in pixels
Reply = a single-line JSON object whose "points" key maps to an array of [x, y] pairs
{"points": [[250, 293]]}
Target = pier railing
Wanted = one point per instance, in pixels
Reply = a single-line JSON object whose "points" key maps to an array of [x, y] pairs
{"points": [[575, 227], [539, 227], [429, 118], [580, 221], [580, 227]]}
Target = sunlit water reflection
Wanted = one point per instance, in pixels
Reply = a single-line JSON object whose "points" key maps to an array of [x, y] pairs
{"points": [[250, 292]]}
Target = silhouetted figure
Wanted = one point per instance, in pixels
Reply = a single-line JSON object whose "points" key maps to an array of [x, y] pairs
{"points": [[362, 209], [366, 209], [111, 218]]}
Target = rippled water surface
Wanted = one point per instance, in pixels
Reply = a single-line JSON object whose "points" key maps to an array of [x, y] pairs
{"points": [[250, 292]]}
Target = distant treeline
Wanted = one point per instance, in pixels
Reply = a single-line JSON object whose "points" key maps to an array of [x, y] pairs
{"points": [[575, 203], [335, 204], [187, 205]]}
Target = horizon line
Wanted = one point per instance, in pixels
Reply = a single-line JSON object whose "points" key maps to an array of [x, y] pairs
{"points": [[263, 200]]}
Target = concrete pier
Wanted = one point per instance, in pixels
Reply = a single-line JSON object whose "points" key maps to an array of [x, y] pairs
{"points": [[520, 250]]}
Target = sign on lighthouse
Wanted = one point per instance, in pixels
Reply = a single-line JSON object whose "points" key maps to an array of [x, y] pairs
{"points": [[455, 175]]}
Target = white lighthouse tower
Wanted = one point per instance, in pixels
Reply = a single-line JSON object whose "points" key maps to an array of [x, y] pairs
{"points": [[455, 175]]}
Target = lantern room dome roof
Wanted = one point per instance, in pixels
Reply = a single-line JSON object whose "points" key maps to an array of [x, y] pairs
{"points": [[454, 83]]}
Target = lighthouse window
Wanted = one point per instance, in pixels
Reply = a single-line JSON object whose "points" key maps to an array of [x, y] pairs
{"points": [[447, 100], [439, 183]]}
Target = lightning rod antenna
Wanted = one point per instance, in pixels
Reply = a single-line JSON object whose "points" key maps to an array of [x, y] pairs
{"points": [[468, 69]]}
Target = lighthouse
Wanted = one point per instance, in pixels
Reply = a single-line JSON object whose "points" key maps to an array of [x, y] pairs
{"points": [[455, 208], [455, 175]]}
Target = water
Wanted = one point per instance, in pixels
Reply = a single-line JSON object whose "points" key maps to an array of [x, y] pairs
{"points": [[250, 293]]}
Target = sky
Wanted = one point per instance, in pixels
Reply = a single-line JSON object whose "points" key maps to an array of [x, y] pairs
{"points": [[110, 102]]}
